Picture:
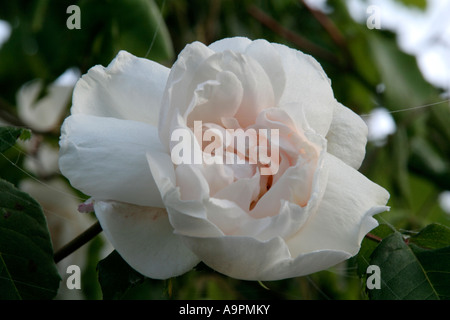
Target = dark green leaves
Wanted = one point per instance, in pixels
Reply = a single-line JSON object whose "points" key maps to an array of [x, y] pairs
{"points": [[116, 277], [27, 270], [415, 268], [41, 45], [132, 25]]}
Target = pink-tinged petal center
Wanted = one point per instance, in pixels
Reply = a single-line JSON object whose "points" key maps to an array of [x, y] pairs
{"points": [[265, 151], [245, 148]]}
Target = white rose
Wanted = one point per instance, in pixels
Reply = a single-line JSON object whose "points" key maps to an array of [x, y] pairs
{"points": [[310, 214]]}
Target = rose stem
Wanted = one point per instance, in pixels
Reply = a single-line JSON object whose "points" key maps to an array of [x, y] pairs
{"points": [[76, 243], [373, 237]]}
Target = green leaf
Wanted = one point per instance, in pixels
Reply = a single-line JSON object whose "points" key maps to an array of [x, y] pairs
{"points": [[9, 136], [421, 4], [409, 272], [433, 236], [400, 155], [436, 264], [141, 31], [116, 277], [369, 245], [405, 85], [27, 269]]}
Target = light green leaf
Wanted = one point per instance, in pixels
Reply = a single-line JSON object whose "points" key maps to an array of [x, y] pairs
{"points": [[404, 82], [421, 4], [27, 269], [433, 236], [9, 136]]}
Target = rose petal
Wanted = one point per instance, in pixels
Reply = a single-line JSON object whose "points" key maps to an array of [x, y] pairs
{"points": [[218, 177], [267, 56], [242, 191], [129, 88], [186, 216], [295, 185], [299, 181], [227, 216], [191, 183], [263, 52], [258, 92], [144, 237], [179, 89], [215, 99], [195, 75], [307, 88], [106, 158], [347, 206], [238, 44], [347, 137], [247, 258]]}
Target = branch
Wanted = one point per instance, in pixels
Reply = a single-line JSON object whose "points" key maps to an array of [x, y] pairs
{"points": [[327, 24], [373, 237], [301, 42], [79, 241]]}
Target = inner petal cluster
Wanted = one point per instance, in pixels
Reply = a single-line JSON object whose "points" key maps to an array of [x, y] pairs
{"points": [[248, 166], [241, 146]]}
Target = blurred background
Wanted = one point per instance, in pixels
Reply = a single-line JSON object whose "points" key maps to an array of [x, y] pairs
{"points": [[388, 60]]}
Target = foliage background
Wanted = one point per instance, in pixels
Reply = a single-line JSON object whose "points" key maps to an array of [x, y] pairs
{"points": [[413, 163]]}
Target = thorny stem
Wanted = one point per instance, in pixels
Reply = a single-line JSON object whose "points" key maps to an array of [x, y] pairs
{"points": [[78, 242]]}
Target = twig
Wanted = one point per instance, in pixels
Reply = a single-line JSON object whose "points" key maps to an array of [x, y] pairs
{"points": [[327, 24], [373, 237], [79, 241], [301, 42]]}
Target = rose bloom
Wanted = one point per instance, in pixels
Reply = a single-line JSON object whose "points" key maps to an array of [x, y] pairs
{"points": [[164, 218]]}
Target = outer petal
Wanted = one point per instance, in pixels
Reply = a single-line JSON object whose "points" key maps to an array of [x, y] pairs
{"points": [[345, 214], [249, 259], [347, 137], [308, 88], [144, 237], [129, 88], [106, 158], [237, 44]]}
